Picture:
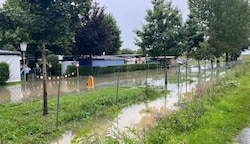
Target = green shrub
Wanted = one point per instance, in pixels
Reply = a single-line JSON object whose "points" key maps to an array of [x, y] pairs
{"points": [[55, 66], [88, 70], [4, 72]]}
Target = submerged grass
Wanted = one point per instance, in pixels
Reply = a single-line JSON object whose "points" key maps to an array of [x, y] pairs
{"points": [[24, 123], [213, 118]]}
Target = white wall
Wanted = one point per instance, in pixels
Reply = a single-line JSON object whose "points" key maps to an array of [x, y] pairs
{"points": [[64, 66], [14, 66]]}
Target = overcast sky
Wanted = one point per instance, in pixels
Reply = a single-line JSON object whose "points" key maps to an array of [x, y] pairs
{"points": [[130, 14]]}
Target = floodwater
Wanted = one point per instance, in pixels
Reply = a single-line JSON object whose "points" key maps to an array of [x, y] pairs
{"points": [[139, 116], [34, 89]]}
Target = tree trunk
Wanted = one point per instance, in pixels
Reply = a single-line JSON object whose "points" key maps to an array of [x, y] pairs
{"points": [[186, 66], [212, 64], [199, 66], [45, 99], [227, 59]]}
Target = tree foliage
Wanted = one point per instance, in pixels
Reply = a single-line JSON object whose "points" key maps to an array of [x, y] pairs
{"points": [[53, 22], [194, 35], [163, 32], [227, 23], [4, 72], [99, 33], [13, 22], [127, 51]]}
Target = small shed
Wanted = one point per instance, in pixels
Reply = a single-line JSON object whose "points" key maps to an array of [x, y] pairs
{"points": [[97, 61], [102, 61], [13, 59], [133, 58], [65, 62], [171, 60]]}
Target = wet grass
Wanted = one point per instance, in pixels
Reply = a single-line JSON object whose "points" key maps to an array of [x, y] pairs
{"points": [[24, 123], [213, 117]]}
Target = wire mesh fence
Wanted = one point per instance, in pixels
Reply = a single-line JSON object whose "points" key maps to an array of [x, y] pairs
{"points": [[73, 85]]}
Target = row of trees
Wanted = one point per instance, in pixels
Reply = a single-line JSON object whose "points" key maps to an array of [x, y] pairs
{"points": [[213, 28]]}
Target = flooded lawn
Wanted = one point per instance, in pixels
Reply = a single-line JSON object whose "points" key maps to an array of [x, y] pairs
{"points": [[139, 116]]}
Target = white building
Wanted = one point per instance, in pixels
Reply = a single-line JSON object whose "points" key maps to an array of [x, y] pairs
{"points": [[13, 59]]}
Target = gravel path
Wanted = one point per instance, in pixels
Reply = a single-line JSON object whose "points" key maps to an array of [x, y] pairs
{"points": [[244, 137]]}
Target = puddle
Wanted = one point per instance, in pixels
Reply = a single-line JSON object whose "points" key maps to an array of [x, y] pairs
{"points": [[65, 139]]}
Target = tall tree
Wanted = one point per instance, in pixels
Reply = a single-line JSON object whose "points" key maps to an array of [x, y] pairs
{"points": [[227, 22], [47, 22], [99, 33], [194, 34], [163, 32]]}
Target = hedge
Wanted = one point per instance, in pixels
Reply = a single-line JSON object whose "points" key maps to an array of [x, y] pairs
{"points": [[4, 72], [88, 70]]}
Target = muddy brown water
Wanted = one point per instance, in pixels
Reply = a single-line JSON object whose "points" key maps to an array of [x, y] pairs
{"points": [[137, 116], [34, 89]]}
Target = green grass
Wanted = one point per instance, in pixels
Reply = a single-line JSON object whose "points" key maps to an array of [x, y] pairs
{"points": [[24, 123], [215, 118]]}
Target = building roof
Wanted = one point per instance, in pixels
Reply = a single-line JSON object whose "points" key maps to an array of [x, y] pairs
{"points": [[107, 57], [6, 52], [129, 55], [162, 57]]}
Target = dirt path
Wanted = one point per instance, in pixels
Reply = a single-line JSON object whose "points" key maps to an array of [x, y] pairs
{"points": [[243, 137]]}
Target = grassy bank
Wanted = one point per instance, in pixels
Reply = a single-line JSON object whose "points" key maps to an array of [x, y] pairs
{"points": [[24, 123], [214, 117]]}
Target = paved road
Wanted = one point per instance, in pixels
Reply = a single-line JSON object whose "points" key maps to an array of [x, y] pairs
{"points": [[244, 136]]}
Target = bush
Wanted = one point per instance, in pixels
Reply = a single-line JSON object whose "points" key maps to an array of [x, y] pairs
{"points": [[53, 60], [4, 72], [88, 70]]}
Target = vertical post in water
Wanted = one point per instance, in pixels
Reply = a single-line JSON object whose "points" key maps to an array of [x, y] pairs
{"points": [[58, 101], [117, 87], [45, 93], [179, 74], [146, 83]]}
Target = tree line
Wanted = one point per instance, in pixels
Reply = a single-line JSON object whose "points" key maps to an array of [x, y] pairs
{"points": [[213, 29]]}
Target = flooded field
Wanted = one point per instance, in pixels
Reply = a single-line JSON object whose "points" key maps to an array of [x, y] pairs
{"points": [[138, 116]]}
